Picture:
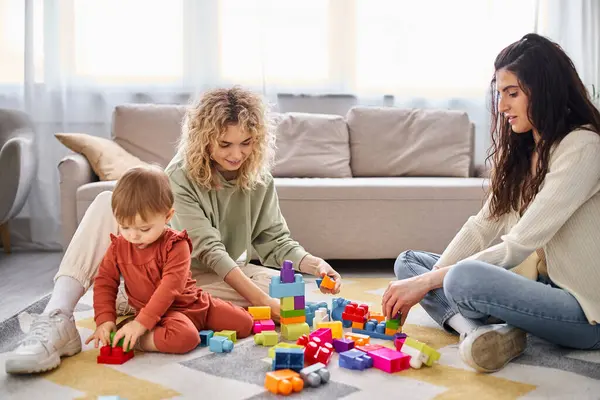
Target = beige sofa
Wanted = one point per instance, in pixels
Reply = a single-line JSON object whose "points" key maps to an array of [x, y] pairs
{"points": [[367, 185]]}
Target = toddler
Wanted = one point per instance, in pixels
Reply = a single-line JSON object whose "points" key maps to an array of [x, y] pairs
{"points": [[154, 261]]}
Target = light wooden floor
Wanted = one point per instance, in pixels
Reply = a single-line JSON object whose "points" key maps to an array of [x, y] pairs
{"points": [[25, 278]]}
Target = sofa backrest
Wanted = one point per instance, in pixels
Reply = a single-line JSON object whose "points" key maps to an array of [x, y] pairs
{"points": [[369, 141], [148, 131]]}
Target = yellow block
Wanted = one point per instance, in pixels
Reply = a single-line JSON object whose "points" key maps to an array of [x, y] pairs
{"points": [[294, 331], [285, 346], [292, 320], [337, 330], [287, 303], [260, 313], [231, 335]]}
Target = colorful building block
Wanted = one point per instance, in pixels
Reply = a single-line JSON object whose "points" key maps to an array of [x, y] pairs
{"points": [[336, 327], [286, 274], [266, 338], [284, 382], [293, 320], [327, 283], [341, 345], [299, 302], [205, 336], [264, 325], [294, 331], [231, 335], [374, 329], [377, 316], [288, 358], [355, 359], [389, 360], [278, 289], [320, 316], [420, 353], [113, 355], [315, 375], [358, 325], [322, 333], [318, 282], [220, 344], [318, 351], [260, 312], [293, 313], [287, 303], [359, 339], [283, 345], [356, 313], [338, 305], [390, 332], [368, 347]]}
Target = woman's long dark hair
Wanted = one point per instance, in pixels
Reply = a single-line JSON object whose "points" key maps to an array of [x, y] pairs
{"points": [[558, 103]]}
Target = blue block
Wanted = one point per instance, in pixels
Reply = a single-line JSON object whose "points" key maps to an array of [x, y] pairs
{"points": [[318, 281], [205, 337], [310, 309], [288, 358], [279, 290], [338, 305], [220, 344], [355, 359], [373, 334]]}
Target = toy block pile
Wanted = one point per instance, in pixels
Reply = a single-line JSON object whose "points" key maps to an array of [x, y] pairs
{"points": [[290, 289], [370, 323]]}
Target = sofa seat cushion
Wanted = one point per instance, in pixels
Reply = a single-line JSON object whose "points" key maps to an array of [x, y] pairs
{"points": [[410, 142], [88, 192], [311, 145]]}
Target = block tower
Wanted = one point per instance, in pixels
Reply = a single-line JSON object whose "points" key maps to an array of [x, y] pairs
{"points": [[290, 289]]}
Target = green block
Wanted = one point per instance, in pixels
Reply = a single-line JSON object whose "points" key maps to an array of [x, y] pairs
{"points": [[121, 342], [294, 331], [293, 313], [231, 335], [287, 303], [392, 324]]}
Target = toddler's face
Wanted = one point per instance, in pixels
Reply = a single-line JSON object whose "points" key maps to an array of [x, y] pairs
{"points": [[143, 233]]}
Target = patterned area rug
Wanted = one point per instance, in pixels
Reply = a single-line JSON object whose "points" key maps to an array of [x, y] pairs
{"points": [[544, 372]]}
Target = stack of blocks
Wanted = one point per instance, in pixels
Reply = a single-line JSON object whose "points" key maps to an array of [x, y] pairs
{"points": [[289, 288], [371, 323]]}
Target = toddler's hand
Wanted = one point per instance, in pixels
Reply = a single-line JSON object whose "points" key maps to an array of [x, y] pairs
{"points": [[130, 333], [102, 334]]}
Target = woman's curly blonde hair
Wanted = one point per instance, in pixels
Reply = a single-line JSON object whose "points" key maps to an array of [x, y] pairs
{"points": [[207, 120]]}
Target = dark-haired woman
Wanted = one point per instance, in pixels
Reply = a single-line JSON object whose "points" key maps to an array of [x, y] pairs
{"points": [[544, 200]]}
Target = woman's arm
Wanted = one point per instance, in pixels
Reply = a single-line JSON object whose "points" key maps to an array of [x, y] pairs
{"points": [[106, 286], [246, 287]]}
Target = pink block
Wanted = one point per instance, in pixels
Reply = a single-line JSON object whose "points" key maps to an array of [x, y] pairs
{"points": [[389, 360], [257, 327], [299, 303], [324, 334], [398, 342], [267, 324]]}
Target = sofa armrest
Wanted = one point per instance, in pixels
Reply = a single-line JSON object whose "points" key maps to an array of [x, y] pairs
{"points": [[481, 171], [74, 171]]}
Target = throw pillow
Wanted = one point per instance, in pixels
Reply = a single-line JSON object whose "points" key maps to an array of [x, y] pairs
{"points": [[108, 160]]}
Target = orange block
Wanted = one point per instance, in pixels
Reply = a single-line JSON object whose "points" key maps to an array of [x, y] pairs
{"points": [[292, 320], [392, 332], [283, 381], [359, 339], [377, 316], [358, 325], [327, 282]]}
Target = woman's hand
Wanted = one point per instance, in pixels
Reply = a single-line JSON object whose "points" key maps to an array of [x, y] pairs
{"points": [[400, 296], [102, 334], [319, 267], [131, 332]]}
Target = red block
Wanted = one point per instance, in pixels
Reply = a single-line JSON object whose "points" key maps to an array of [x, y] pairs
{"points": [[355, 313], [113, 355], [324, 353]]}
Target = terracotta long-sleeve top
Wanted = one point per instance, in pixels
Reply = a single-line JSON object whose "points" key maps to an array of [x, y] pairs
{"points": [[157, 278]]}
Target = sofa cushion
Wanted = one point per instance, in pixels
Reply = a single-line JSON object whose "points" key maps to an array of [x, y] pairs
{"points": [[148, 131], [88, 192], [311, 145], [108, 160], [409, 142]]}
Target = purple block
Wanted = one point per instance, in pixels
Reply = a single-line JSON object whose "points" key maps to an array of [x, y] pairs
{"points": [[299, 303], [287, 273], [341, 345]]}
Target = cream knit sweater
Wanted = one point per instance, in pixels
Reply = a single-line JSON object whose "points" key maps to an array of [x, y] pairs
{"points": [[563, 220]]}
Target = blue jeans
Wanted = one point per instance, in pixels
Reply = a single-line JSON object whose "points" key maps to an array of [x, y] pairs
{"points": [[482, 291]]}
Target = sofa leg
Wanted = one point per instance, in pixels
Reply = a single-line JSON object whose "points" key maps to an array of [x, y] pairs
{"points": [[5, 235]]}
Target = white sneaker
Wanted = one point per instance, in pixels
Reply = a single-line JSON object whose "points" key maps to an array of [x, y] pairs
{"points": [[49, 337], [490, 347], [122, 303]]}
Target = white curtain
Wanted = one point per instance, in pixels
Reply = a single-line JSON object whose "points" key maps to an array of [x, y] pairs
{"points": [[69, 62]]}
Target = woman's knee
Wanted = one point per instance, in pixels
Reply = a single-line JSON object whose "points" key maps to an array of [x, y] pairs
{"points": [[403, 265], [462, 279]]}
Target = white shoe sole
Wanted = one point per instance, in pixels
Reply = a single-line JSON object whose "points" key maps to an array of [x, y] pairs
{"points": [[489, 349], [31, 366]]}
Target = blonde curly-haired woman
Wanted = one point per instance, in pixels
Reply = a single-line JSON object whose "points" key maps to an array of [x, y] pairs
{"points": [[225, 199]]}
